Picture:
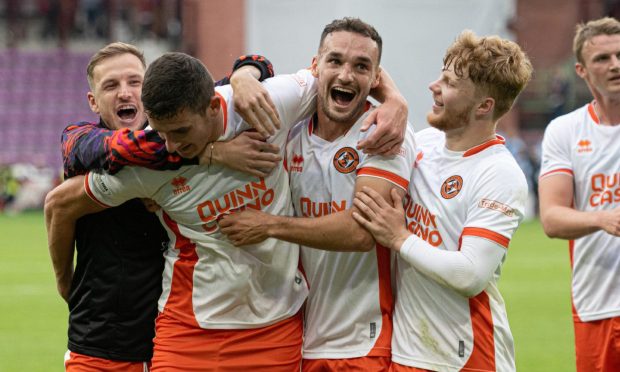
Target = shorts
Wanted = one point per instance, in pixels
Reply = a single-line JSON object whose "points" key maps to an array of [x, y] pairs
{"points": [[362, 364], [182, 347], [75, 362], [597, 345]]}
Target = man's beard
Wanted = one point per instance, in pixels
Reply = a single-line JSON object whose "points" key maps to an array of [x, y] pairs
{"points": [[339, 117], [449, 120]]}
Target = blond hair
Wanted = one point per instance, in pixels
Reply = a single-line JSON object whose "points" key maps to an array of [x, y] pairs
{"points": [[584, 32], [498, 67], [111, 50]]}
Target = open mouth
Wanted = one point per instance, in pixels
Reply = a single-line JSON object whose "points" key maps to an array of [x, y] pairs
{"points": [[127, 112], [342, 96]]}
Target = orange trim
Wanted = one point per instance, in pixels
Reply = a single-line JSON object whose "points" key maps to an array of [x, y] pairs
{"points": [[389, 176], [487, 234], [561, 170], [224, 109], [482, 356], [179, 304], [383, 345], [592, 113], [571, 252], [90, 193], [498, 140]]}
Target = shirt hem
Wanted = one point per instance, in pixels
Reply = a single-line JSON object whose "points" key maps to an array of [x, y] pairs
{"points": [[591, 317]]}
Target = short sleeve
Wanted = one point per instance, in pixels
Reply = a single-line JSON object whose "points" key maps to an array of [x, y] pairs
{"points": [[293, 95], [395, 169], [112, 190], [556, 158], [497, 202]]}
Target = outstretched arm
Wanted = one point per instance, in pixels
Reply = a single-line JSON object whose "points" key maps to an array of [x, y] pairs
{"points": [[326, 232], [64, 205]]}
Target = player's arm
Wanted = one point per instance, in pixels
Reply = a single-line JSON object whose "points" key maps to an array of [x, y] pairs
{"points": [[334, 232], [390, 118], [561, 220], [64, 205], [467, 271]]}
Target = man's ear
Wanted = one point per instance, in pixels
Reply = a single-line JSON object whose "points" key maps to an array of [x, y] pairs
{"points": [[94, 107], [214, 105], [314, 66], [377, 80], [486, 106], [580, 69]]}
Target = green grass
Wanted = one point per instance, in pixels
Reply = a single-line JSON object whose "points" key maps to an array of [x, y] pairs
{"points": [[33, 330], [535, 284]]}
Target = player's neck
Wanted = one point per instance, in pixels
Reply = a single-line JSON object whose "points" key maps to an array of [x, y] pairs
{"points": [[607, 110], [328, 129], [472, 135]]}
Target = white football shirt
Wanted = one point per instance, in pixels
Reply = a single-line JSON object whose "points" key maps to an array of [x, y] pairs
{"points": [[479, 192], [208, 282], [577, 146], [349, 307]]}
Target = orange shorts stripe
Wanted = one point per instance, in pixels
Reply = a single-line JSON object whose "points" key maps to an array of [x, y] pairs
{"points": [[395, 367], [373, 364], [181, 347], [597, 345], [75, 362]]}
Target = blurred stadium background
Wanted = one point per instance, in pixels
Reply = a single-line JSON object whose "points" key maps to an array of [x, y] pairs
{"points": [[45, 46]]}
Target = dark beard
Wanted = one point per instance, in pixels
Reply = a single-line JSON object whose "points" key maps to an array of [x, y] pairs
{"points": [[350, 118]]}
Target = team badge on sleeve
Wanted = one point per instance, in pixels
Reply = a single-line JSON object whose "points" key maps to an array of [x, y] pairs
{"points": [[346, 160], [451, 187]]}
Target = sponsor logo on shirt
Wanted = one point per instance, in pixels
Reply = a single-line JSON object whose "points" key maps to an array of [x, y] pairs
{"points": [[496, 206], [584, 145], [310, 208], [99, 181], [255, 195], [605, 189], [422, 222], [451, 187], [297, 163], [180, 185], [346, 160]]}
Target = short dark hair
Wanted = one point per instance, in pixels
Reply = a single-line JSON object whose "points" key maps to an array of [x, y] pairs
{"points": [[176, 81], [355, 25]]}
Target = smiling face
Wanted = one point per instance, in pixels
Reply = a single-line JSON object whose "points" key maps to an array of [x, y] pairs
{"points": [[347, 68], [116, 89], [454, 101], [601, 65]]}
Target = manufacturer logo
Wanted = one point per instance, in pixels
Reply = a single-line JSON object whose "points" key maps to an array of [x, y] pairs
{"points": [[297, 163], [180, 185], [346, 160], [451, 187], [584, 145], [418, 159]]}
